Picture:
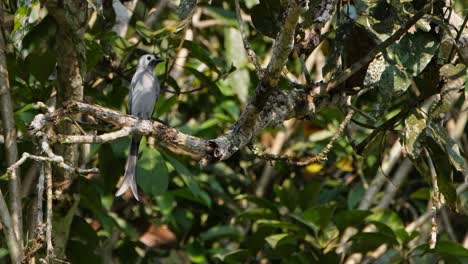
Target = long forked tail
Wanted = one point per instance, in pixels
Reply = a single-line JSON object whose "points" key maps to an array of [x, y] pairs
{"points": [[130, 170]]}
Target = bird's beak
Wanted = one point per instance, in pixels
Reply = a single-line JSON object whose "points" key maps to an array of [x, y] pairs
{"points": [[155, 61]]}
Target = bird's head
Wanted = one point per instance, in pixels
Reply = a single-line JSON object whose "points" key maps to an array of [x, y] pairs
{"points": [[149, 61]]}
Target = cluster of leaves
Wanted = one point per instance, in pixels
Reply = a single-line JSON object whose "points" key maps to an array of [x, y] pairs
{"points": [[211, 215]]}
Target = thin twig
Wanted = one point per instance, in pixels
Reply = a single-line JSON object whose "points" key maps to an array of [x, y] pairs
{"points": [[250, 53], [392, 187], [322, 156], [457, 38], [53, 158]]}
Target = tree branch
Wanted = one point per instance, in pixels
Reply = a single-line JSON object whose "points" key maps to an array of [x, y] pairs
{"points": [[11, 148], [14, 247], [248, 48]]}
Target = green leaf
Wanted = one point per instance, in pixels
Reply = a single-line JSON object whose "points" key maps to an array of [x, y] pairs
{"points": [[261, 202], [364, 242], [454, 77], [152, 174], [196, 253], [415, 51], [355, 195], [319, 216], [266, 17], [347, 218], [172, 83], [185, 173], [288, 194], [308, 197], [414, 137], [440, 135], [277, 224], [443, 168], [383, 229], [26, 17], [392, 74], [41, 65], [3, 252], [235, 256], [451, 248], [273, 240], [181, 220], [201, 53], [228, 17], [166, 203], [232, 108], [205, 80], [147, 33], [421, 194], [219, 232], [164, 106], [387, 217], [256, 214]]}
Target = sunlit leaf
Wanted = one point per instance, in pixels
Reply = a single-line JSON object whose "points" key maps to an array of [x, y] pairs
{"points": [[413, 135], [26, 17], [273, 240]]}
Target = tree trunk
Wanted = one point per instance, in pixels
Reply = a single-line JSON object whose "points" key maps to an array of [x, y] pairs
{"points": [[71, 18]]}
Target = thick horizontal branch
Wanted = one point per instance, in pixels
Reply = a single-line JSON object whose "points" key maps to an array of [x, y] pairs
{"points": [[282, 105], [126, 123]]}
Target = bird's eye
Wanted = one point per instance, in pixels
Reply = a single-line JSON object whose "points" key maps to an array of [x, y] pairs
{"points": [[148, 58]]}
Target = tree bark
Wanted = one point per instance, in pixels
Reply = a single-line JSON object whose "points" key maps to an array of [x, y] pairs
{"points": [[11, 148], [71, 19]]}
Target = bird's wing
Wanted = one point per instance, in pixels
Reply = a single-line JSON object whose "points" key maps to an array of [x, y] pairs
{"points": [[157, 87], [131, 90]]}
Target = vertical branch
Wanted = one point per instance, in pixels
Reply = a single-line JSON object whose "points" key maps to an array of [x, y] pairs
{"points": [[9, 132], [284, 42], [48, 176], [14, 247], [436, 201], [247, 47], [40, 199]]}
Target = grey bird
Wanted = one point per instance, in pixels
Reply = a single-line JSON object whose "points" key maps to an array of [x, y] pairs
{"points": [[142, 97]]}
